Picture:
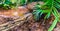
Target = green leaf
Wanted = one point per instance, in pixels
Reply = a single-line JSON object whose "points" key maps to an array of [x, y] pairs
{"points": [[53, 24], [23, 2], [37, 14], [41, 14], [46, 11], [50, 7], [47, 16], [57, 5], [7, 2], [57, 1], [13, 1], [55, 12], [55, 21], [49, 3]]}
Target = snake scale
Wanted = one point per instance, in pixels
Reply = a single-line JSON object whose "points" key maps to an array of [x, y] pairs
{"points": [[11, 24]]}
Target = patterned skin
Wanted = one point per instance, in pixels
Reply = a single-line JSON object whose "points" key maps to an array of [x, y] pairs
{"points": [[21, 18]]}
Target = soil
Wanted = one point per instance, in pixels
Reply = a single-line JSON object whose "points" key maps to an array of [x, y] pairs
{"points": [[33, 25]]}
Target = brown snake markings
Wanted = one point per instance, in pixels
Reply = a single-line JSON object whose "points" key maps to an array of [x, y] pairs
{"points": [[17, 22]]}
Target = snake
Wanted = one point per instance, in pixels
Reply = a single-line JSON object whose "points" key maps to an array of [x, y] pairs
{"points": [[11, 24]]}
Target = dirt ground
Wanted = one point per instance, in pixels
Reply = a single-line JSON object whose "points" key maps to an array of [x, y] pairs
{"points": [[33, 25]]}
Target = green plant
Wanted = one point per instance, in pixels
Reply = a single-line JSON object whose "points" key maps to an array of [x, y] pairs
{"points": [[49, 7], [7, 4], [23, 2]]}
